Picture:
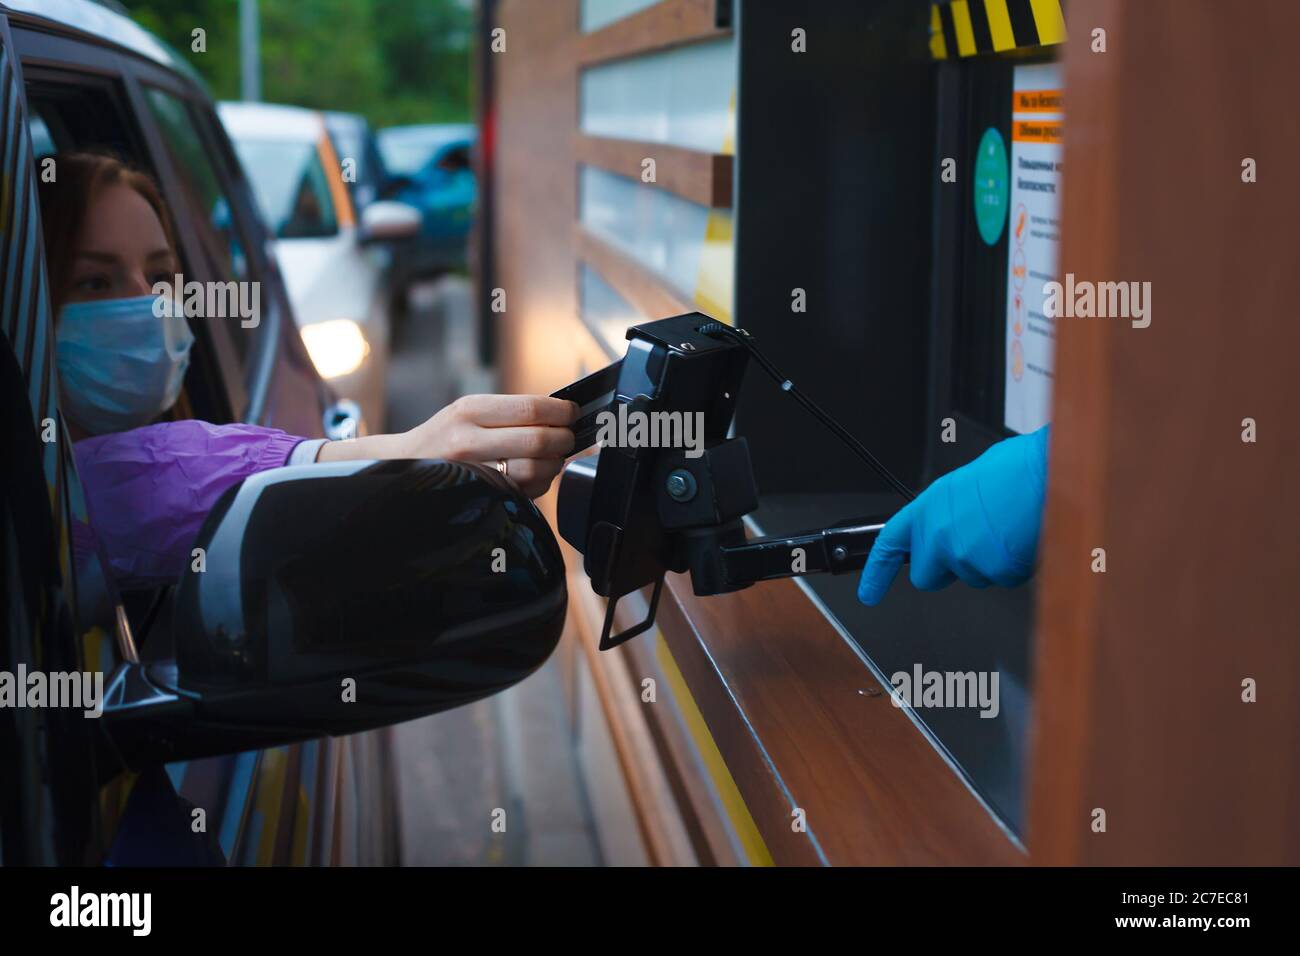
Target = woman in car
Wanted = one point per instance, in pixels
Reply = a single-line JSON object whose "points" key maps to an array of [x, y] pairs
{"points": [[122, 352]]}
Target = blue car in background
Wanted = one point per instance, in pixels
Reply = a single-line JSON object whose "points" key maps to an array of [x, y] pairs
{"points": [[430, 167]]}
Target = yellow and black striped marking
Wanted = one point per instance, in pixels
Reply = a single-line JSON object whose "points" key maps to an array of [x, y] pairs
{"points": [[976, 27]]}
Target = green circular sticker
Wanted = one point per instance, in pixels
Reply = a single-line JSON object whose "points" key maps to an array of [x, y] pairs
{"points": [[991, 186]]}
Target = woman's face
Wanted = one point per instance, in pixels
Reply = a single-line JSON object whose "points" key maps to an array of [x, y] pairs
{"points": [[122, 250]]}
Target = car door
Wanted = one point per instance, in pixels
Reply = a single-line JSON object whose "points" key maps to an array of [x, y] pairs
{"points": [[68, 801], [278, 805], [50, 806]]}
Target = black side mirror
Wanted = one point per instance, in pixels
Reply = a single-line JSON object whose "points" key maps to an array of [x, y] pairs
{"points": [[341, 597]]}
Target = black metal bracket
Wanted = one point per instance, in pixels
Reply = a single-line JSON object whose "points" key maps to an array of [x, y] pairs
{"points": [[606, 641]]}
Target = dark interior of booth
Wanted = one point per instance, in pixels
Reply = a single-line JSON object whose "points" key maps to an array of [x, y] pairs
{"points": [[840, 195]]}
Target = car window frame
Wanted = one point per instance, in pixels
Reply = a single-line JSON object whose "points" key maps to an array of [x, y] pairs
{"points": [[276, 334], [60, 61], [247, 378], [249, 384], [66, 65], [213, 252], [62, 839]]}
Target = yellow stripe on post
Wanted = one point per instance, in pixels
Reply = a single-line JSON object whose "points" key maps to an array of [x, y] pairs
{"points": [[733, 804], [961, 26], [1004, 38], [1050, 21], [938, 49], [715, 275], [270, 795], [714, 280], [729, 140], [298, 853]]}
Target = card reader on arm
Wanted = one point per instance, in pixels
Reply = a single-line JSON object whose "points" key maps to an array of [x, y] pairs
{"points": [[641, 506]]}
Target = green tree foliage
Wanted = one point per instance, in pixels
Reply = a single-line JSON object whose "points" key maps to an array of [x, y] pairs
{"points": [[426, 46], [394, 61], [175, 21]]}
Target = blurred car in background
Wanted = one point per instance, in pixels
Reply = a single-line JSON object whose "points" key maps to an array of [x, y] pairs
{"points": [[330, 251], [430, 167], [354, 140]]}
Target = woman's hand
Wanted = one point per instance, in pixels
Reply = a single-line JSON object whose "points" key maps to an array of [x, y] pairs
{"points": [[530, 433]]}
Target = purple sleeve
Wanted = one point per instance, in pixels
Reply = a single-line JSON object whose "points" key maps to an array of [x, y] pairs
{"points": [[149, 489]]}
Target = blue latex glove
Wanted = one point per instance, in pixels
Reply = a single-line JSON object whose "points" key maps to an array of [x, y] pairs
{"points": [[979, 523]]}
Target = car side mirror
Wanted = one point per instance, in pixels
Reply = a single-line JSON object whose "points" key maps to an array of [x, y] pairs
{"points": [[388, 220], [338, 597]]}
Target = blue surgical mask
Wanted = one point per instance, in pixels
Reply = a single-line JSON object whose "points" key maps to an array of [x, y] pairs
{"points": [[121, 361]]}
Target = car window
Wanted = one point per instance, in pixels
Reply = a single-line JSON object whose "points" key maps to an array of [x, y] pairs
{"points": [[203, 191], [405, 154], [71, 113], [42, 139], [455, 160], [291, 187]]}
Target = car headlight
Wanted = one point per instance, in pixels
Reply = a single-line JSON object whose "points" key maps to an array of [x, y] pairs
{"points": [[336, 347]]}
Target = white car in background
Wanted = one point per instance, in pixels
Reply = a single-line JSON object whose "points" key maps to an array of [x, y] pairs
{"points": [[331, 255]]}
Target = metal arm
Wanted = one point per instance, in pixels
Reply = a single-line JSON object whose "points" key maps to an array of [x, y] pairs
{"points": [[835, 550]]}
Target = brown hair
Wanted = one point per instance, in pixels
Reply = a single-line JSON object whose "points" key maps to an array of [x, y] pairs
{"points": [[79, 180]]}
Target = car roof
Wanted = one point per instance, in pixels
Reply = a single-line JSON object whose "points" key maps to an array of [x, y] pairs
{"points": [[341, 119], [430, 132], [105, 22], [271, 121]]}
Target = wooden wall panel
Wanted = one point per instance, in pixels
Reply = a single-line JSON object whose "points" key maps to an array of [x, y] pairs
{"points": [[536, 191], [703, 178], [638, 286], [1139, 670], [666, 24], [543, 346]]}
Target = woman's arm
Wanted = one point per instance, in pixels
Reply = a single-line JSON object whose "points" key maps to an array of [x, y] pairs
{"points": [[530, 433], [149, 489]]}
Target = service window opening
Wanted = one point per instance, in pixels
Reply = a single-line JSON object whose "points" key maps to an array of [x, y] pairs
{"points": [[921, 221]]}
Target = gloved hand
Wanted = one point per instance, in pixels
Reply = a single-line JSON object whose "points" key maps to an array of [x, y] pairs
{"points": [[979, 523]]}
